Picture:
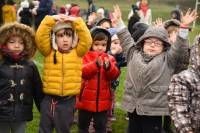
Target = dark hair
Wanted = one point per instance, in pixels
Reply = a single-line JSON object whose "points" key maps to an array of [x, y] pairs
{"points": [[99, 34]]}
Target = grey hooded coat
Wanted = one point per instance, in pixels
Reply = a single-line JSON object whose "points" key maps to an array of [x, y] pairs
{"points": [[146, 84]]}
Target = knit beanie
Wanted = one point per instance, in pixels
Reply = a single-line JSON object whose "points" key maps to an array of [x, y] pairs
{"points": [[172, 22], [113, 33]]}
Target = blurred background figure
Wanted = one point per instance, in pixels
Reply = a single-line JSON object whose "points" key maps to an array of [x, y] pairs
{"points": [[74, 10], [100, 13], [24, 13], [91, 8], [2, 2], [43, 9], [9, 12], [176, 14], [145, 12]]}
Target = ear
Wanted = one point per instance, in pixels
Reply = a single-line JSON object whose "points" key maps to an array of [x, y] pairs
{"points": [[75, 40]]}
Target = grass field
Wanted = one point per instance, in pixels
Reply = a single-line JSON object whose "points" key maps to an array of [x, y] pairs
{"points": [[158, 10]]}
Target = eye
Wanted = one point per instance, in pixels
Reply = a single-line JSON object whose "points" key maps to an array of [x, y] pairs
{"points": [[11, 41], [104, 45]]}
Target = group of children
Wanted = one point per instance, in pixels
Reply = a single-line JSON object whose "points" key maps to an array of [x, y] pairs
{"points": [[81, 68]]}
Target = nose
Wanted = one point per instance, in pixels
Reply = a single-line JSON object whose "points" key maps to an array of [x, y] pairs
{"points": [[17, 44], [100, 48], [65, 38]]}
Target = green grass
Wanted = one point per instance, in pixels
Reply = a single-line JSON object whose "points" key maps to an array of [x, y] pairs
{"points": [[158, 10]]}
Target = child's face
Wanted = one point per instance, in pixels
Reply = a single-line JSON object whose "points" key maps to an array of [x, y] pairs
{"points": [[15, 44], [115, 46], [153, 46], [64, 39], [99, 46], [105, 25]]}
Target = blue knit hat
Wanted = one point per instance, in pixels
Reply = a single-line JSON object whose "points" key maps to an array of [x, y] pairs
{"points": [[112, 31]]}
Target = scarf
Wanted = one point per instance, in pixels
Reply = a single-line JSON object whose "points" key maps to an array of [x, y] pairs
{"points": [[147, 58], [12, 55], [144, 8]]}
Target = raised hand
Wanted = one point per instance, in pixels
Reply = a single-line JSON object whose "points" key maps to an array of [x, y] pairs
{"points": [[59, 18], [158, 22], [116, 15], [189, 17], [91, 18], [70, 18]]}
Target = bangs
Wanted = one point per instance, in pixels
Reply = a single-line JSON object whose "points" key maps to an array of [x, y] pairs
{"points": [[100, 36]]}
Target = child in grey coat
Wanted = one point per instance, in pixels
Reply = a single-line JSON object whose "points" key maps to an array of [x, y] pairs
{"points": [[151, 62]]}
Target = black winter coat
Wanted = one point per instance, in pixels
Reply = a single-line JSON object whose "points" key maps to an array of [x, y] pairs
{"points": [[20, 83]]}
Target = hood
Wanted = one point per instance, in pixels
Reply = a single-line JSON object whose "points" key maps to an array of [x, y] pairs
{"points": [[21, 30], [59, 26], [171, 22], [157, 32], [98, 29], [138, 29], [195, 55]]}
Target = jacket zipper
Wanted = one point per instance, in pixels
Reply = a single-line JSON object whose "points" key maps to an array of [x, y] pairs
{"points": [[62, 77], [98, 90], [80, 97]]}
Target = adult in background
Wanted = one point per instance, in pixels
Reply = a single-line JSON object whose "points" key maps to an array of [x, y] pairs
{"points": [[44, 9], [145, 12], [91, 8]]}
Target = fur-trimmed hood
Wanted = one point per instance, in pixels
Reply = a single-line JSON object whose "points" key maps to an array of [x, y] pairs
{"points": [[27, 34]]}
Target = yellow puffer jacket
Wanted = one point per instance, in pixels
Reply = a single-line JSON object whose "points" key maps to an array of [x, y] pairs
{"points": [[8, 13], [64, 77]]}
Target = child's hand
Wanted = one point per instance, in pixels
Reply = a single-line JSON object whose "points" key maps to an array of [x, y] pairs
{"points": [[116, 15], [158, 22], [59, 18], [106, 64], [99, 62], [188, 18], [70, 18], [91, 19]]}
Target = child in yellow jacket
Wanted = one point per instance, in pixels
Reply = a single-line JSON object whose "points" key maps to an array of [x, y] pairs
{"points": [[63, 41]]}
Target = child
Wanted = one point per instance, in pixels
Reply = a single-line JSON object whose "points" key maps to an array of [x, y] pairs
{"points": [[105, 23], [183, 95], [9, 12], [63, 54], [20, 79], [115, 51], [172, 26], [99, 70], [150, 65]]}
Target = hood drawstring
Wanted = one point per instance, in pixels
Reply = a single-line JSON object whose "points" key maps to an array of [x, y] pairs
{"points": [[54, 57]]}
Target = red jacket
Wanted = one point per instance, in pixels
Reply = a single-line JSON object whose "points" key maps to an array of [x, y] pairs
{"points": [[95, 93]]}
